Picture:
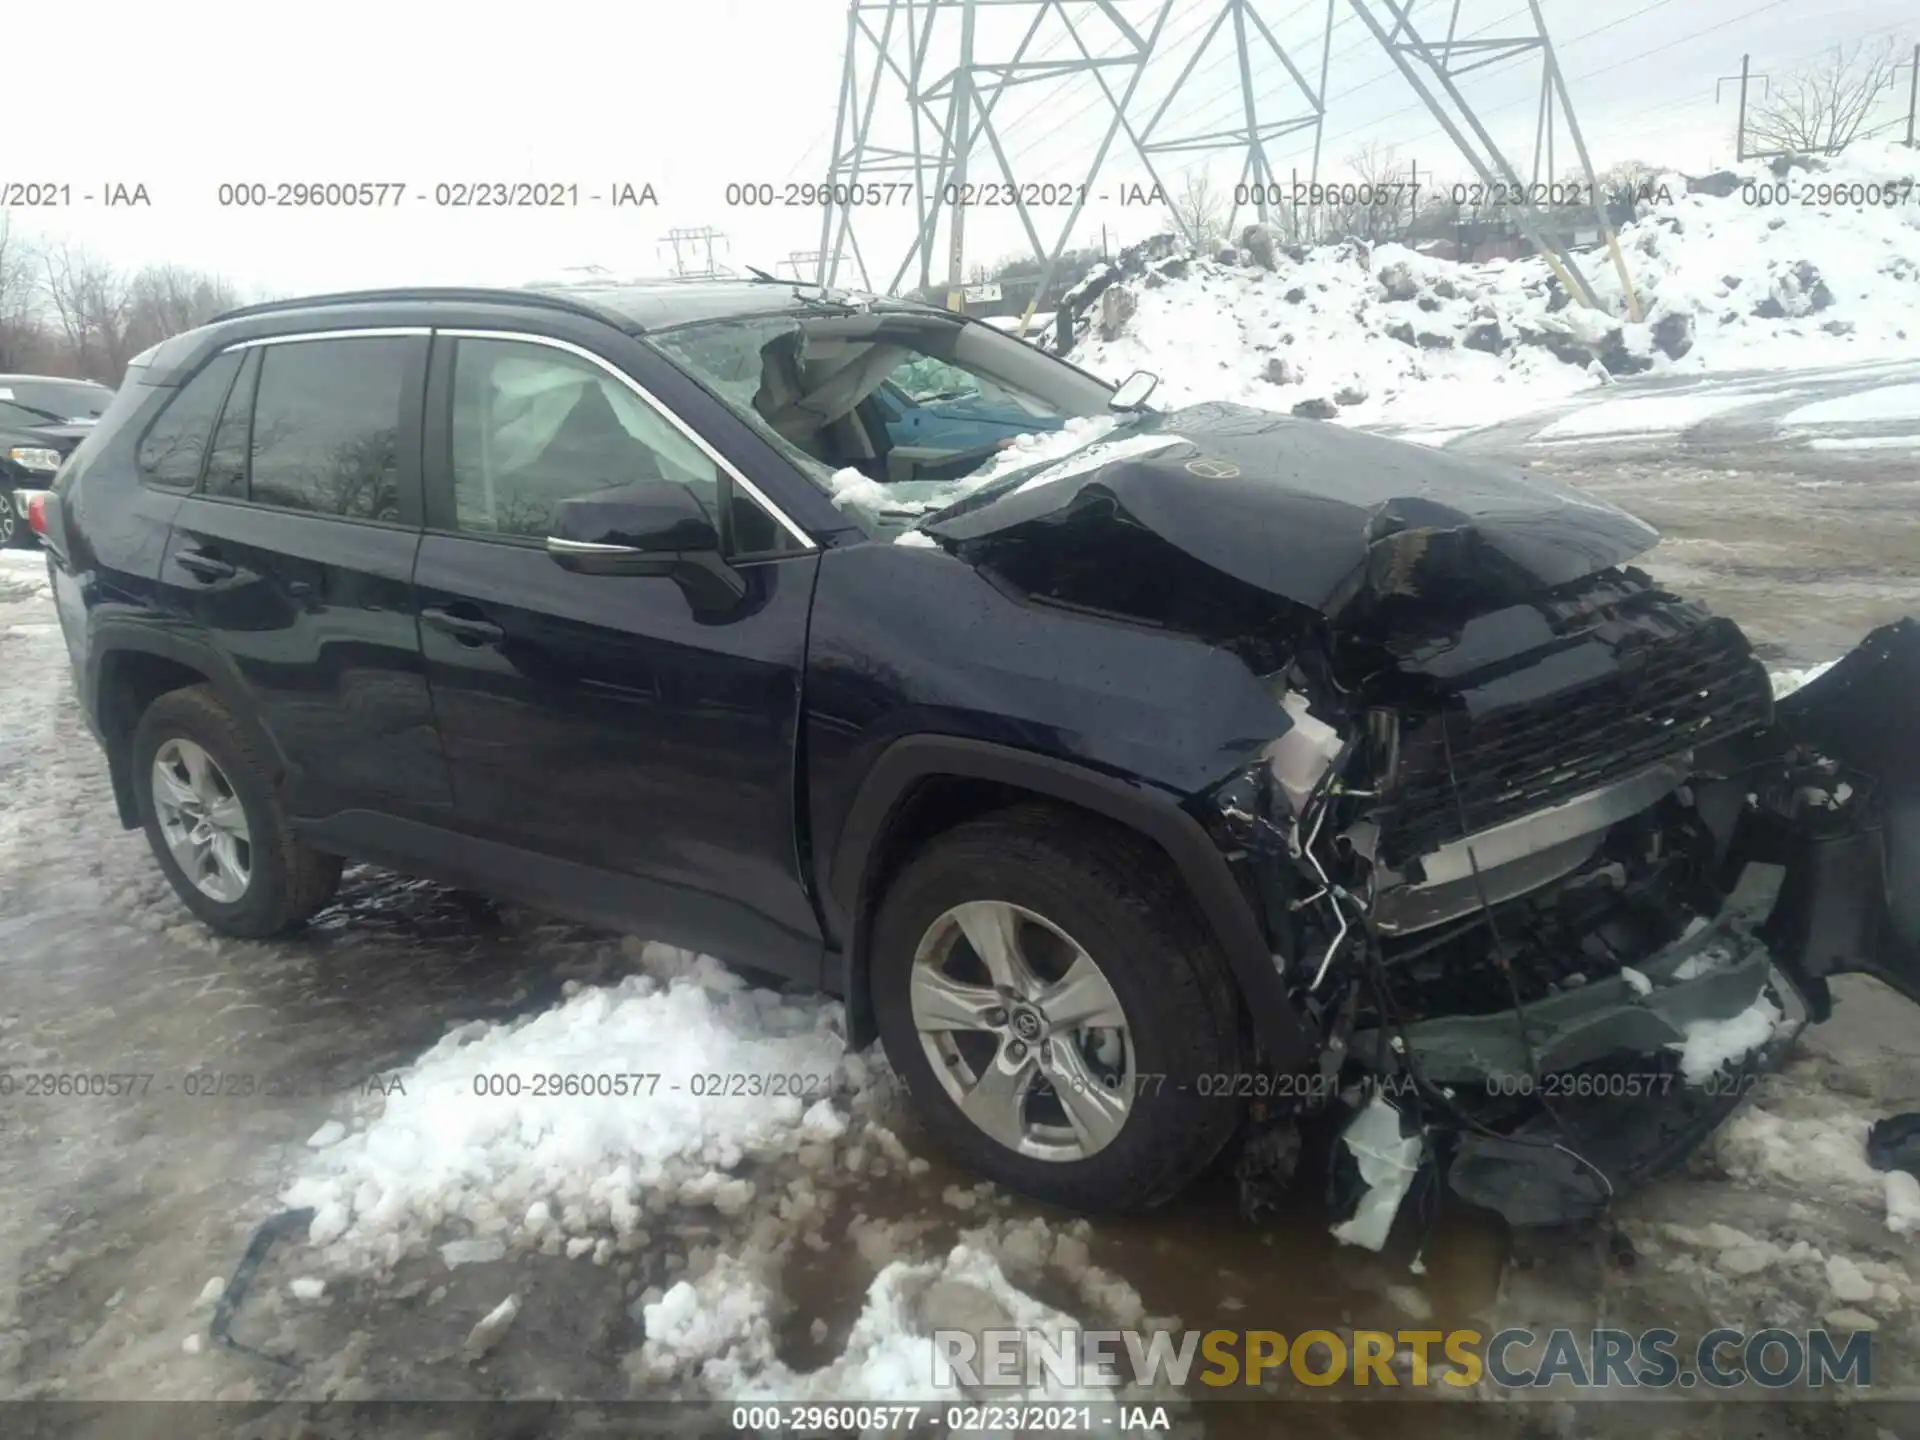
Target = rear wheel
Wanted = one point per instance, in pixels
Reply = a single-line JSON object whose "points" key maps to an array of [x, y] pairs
{"points": [[1055, 1007], [215, 824]]}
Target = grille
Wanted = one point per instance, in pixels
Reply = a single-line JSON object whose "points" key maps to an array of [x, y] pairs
{"points": [[1674, 692]]}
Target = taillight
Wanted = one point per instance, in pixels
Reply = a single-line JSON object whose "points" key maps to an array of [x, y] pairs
{"points": [[37, 514]]}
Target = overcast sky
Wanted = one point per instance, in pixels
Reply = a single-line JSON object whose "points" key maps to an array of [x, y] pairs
{"points": [[690, 95]]}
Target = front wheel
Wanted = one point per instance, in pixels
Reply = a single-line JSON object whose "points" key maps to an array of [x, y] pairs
{"points": [[1057, 1010], [215, 823]]}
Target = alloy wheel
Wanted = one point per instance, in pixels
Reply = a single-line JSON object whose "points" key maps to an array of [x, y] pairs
{"points": [[202, 821], [1023, 1030], [7, 522]]}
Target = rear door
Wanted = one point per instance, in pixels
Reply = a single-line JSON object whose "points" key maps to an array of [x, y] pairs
{"points": [[625, 758], [295, 554]]}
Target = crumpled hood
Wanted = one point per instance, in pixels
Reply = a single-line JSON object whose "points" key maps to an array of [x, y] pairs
{"points": [[1319, 514]]}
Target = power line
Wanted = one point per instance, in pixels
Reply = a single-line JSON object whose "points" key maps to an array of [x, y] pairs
{"points": [[1654, 50], [1167, 45], [1393, 72]]}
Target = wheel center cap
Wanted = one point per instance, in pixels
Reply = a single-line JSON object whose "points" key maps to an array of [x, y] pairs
{"points": [[1027, 1024]]}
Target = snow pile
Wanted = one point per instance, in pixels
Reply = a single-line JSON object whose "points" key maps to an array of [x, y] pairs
{"points": [[1389, 335], [1785, 682], [553, 1167], [714, 1334], [1822, 1152], [717, 1330], [1903, 1202], [1779, 1278], [23, 575], [1712, 1044]]}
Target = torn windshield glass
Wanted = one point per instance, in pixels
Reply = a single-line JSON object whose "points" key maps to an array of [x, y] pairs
{"points": [[895, 415]]}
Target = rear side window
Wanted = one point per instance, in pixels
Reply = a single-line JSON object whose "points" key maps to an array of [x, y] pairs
{"points": [[176, 442], [227, 465], [326, 427]]}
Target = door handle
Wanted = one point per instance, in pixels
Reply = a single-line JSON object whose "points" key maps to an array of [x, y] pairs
{"points": [[465, 629], [203, 566]]}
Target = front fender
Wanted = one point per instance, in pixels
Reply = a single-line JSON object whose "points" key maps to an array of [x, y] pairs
{"points": [[1149, 813]]}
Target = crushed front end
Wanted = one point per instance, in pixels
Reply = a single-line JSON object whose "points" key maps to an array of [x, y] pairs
{"points": [[1540, 863], [1553, 881]]}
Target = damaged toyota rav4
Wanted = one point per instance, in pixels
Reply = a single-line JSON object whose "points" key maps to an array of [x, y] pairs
{"points": [[1162, 788]]}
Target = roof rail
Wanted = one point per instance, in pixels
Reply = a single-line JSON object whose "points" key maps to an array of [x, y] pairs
{"points": [[475, 293]]}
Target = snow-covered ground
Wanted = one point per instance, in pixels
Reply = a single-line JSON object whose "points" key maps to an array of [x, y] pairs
{"points": [[659, 1243], [1394, 338], [473, 1237]]}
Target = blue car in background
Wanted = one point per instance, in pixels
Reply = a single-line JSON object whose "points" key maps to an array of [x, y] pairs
{"points": [[945, 408]]}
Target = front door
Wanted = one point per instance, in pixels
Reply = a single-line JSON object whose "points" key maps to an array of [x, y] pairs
{"points": [[634, 760]]}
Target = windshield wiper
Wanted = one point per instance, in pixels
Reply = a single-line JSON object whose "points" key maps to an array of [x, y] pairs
{"points": [[57, 419]]}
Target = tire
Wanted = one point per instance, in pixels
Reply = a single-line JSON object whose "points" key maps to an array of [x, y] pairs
{"points": [[1078, 890], [285, 881], [15, 533]]}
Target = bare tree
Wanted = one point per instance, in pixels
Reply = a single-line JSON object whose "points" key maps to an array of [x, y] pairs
{"points": [[163, 300], [90, 304], [1200, 211], [19, 337], [1375, 201], [1821, 109]]}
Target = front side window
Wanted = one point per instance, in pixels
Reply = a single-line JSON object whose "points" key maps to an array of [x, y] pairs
{"points": [[533, 426], [326, 427], [174, 445]]}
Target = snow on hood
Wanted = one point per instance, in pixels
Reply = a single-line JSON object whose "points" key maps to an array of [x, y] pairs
{"points": [[853, 490], [1725, 282]]}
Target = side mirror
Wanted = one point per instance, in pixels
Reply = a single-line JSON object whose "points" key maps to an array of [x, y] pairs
{"points": [[654, 527], [1133, 391]]}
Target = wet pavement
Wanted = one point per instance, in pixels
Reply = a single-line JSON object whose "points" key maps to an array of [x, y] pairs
{"points": [[1807, 533], [116, 1210]]}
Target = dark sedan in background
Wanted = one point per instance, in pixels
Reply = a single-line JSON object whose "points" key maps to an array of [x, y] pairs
{"points": [[42, 419]]}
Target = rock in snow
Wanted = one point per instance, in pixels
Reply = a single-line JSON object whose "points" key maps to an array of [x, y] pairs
{"points": [[1447, 345], [1846, 1281], [331, 1133], [1903, 1202], [491, 1327]]}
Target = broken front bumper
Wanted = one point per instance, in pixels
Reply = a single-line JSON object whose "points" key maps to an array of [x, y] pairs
{"points": [[1561, 1106], [1554, 1108]]}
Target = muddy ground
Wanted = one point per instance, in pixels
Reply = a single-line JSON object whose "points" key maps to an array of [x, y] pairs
{"points": [[117, 1211]]}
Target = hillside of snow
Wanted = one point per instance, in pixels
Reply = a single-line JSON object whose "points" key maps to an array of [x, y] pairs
{"points": [[1817, 265]]}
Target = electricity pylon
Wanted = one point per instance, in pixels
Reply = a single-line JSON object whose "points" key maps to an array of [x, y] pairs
{"points": [[921, 87]]}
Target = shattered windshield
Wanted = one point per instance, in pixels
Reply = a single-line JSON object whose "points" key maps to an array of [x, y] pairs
{"points": [[896, 415]]}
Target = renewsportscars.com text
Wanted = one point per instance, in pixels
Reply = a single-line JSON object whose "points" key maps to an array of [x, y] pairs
{"points": [[1513, 1359]]}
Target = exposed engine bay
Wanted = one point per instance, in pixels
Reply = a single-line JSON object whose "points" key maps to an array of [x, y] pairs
{"points": [[1554, 884]]}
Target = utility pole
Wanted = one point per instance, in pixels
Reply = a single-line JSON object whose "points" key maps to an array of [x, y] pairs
{"points": [[1746, 74], [963, 142], [1913, 94], [702, 236]]}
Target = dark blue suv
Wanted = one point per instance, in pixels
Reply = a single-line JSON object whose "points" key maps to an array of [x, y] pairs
{"points": [[1153, 784]]}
